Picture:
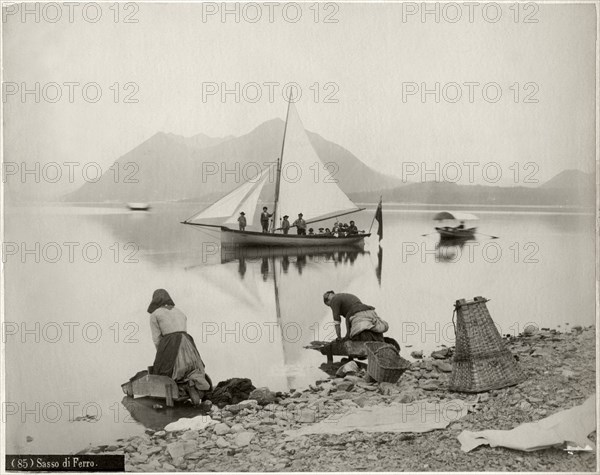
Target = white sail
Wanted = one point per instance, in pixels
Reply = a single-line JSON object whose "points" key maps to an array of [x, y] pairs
{"points": [[227, 206], [306, 186], [248, 204]]}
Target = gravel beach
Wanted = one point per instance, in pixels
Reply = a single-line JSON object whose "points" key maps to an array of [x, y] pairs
{"points": [[561, 373]]}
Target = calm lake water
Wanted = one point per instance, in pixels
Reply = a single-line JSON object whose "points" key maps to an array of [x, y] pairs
{"points": [[77, 328]]}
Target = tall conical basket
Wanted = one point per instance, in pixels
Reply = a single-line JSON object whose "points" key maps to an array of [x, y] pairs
{"points": [[481, 360]]}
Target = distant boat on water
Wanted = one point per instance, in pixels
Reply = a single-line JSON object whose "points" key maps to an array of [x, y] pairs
{"points": [[316, 199], [138, 206], [456, 231]]}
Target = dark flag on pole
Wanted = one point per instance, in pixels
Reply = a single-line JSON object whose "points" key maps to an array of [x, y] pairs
{"points": [[379, 218]]}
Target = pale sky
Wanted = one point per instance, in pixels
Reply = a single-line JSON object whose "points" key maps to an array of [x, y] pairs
{"points": [[370, 55]]}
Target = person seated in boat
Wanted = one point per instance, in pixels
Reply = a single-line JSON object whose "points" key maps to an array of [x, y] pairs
{"points": [[352, 229], [264, 219], [300, 225], [311, 232], [336, 227], [342, 230], [328, 232], [460, 226], [321, 230], [176, 354], [285, 224], [242, 221], [362, 323]]}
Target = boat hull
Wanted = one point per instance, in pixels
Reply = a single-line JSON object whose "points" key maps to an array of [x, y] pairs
{"points": [[138, 206], [449, 233], [231, 237]]}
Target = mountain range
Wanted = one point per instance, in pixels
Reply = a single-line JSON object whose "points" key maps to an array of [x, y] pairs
{"points": [[568, 188], [169, 167]]}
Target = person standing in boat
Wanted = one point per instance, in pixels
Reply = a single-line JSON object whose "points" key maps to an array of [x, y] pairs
{"points": [[285, 224], [362, 323], [176, 354], [264, 219], [352, 229], [300, 225], [242, 221]]}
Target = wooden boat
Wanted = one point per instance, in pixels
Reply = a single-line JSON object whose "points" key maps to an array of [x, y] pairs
{"points": [[317, 199], [230, 237], [138, 206], [459, 232]]}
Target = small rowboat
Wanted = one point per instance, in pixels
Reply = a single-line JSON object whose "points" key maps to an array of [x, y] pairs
{"points": [[455, 232]]}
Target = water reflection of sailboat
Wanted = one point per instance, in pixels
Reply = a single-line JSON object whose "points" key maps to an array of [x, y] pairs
{"points": [[379, 267], [310, 191], [299, 277], [299, 306], [299, 256]]}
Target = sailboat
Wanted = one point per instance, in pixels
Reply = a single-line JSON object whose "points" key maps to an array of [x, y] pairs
{"points": [[317, 199]]}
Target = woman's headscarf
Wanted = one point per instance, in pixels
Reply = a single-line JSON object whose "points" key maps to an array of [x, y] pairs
{"points": [[160, 298]]}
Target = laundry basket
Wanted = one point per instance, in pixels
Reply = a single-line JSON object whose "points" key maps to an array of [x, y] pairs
{"points": [[384, 362]]}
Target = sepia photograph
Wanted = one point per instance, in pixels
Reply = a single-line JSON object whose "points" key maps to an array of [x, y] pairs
{"points": [[299, 236]]}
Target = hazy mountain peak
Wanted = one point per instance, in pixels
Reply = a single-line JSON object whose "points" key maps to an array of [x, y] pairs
{"points": [[571, 179]]}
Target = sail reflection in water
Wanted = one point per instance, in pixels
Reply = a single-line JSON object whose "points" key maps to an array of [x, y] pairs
{"points": [[294, 280]]}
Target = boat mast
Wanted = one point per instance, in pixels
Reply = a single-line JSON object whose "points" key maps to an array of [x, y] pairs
{"points": [[279, 160]]}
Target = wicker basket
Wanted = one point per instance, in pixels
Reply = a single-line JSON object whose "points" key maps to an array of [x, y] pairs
{"points": [[384, 362], [481, 360]]}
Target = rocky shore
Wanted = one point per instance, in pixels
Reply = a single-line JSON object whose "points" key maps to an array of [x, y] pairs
{"points": [[250, 437]]}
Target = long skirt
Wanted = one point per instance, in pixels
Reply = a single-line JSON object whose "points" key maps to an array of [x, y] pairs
{"points": [[177, 357], [368, 335]]}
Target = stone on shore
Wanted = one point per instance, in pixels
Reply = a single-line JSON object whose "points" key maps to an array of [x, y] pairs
{"points": [[441, 354], [222, 429], [243, 438], [349, 368], [345, 386], [262, 396], [180, 449], [442, 366]]}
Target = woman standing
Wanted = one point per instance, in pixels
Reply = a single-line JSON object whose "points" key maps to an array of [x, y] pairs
{"points": [[176, 354]]}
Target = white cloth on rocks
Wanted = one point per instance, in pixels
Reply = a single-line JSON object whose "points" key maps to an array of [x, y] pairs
{"points": [[418, 416], [194, 423], [571, 425]]}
